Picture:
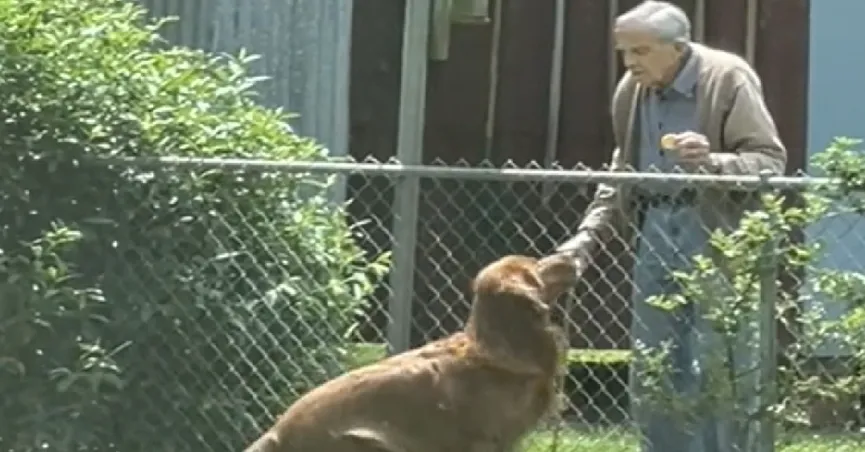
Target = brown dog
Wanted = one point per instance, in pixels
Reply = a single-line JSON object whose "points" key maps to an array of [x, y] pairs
{"points": [[479, 390]]}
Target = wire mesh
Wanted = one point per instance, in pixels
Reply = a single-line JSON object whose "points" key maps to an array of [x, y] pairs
{"points": [[226, 289]]}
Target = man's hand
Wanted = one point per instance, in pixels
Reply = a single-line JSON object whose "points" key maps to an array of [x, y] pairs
{"points": [[691, 150], [578, 248]]}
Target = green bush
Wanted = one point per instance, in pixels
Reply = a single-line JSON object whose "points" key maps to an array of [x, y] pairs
{"points": [[154, 308], [736, 287]]}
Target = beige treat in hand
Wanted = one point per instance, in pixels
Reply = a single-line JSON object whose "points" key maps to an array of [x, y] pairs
{"points": [[668, 142]]}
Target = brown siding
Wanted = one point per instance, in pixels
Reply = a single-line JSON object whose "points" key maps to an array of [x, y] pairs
{"points": [[524, 75], [782, 61], [726, 30], [463, 224], [373, 115]]}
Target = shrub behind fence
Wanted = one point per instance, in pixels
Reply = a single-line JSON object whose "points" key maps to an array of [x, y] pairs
{"points": [[182, 304]]}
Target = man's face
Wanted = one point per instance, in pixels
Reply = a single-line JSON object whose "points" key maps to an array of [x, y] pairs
{"points": [[650, 60]]}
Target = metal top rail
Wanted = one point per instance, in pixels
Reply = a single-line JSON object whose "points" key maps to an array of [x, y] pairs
{"points": [[397, 170]]}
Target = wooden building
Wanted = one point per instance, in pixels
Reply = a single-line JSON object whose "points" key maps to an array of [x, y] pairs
{"points": [[490, 100]]}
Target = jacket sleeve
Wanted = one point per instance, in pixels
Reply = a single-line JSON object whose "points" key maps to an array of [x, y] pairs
{"points": [[599, 223], [751, 138]]}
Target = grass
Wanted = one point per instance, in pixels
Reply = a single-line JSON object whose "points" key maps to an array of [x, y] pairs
{"points": [[620, 440], [366, 353]]}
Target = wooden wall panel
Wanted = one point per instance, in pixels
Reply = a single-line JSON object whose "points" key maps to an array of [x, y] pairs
{"points": [[585, 137], [725, 27], [451, 227], [457, 93], [455, 219], [782, 44], [524, 81], [585, 134], [373, 120], [376, 43]]}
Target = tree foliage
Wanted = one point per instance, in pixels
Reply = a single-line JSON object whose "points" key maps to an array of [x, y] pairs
{"points": [[150, 308]]}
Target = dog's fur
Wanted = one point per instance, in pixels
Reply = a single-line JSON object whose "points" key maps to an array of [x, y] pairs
{"points": [[479, 390]]}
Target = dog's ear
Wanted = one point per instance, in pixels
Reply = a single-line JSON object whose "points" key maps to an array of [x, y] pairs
{"points": [[545, 279], [511, 283], [509, 317]]}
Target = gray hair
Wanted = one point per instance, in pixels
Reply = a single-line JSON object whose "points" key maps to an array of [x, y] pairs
{"points": [[663, 19]]}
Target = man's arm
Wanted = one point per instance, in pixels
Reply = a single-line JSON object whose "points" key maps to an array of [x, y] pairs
{"points": [[750, 135], [597, 226]]}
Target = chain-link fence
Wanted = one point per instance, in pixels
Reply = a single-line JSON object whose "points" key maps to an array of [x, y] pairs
{"points": [[181, 305]]}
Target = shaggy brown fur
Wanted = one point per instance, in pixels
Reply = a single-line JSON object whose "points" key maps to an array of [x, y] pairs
{"points": [[479, 390]]}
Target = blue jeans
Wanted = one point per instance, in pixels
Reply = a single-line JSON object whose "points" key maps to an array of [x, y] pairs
{"points": [[696, 353]]}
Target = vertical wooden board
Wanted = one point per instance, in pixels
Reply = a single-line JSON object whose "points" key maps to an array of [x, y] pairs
{"points": [[373, 119], [725, 25], [600, 317], [457, 97], [525, 61], [376, 46], [585, 138], [585, 134], [782, 61]]}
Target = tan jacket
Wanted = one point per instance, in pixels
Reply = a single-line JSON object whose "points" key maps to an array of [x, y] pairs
{"points": [[732, 115]]}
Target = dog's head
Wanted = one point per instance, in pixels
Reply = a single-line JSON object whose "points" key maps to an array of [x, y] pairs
{"points": [[529, 281], [512, 300]]}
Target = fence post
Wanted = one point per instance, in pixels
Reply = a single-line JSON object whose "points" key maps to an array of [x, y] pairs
{"points": [[412, 106], [767, 385]]}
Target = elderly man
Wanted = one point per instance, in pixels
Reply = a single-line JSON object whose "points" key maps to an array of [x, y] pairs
{"points": [[709, 104]]}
